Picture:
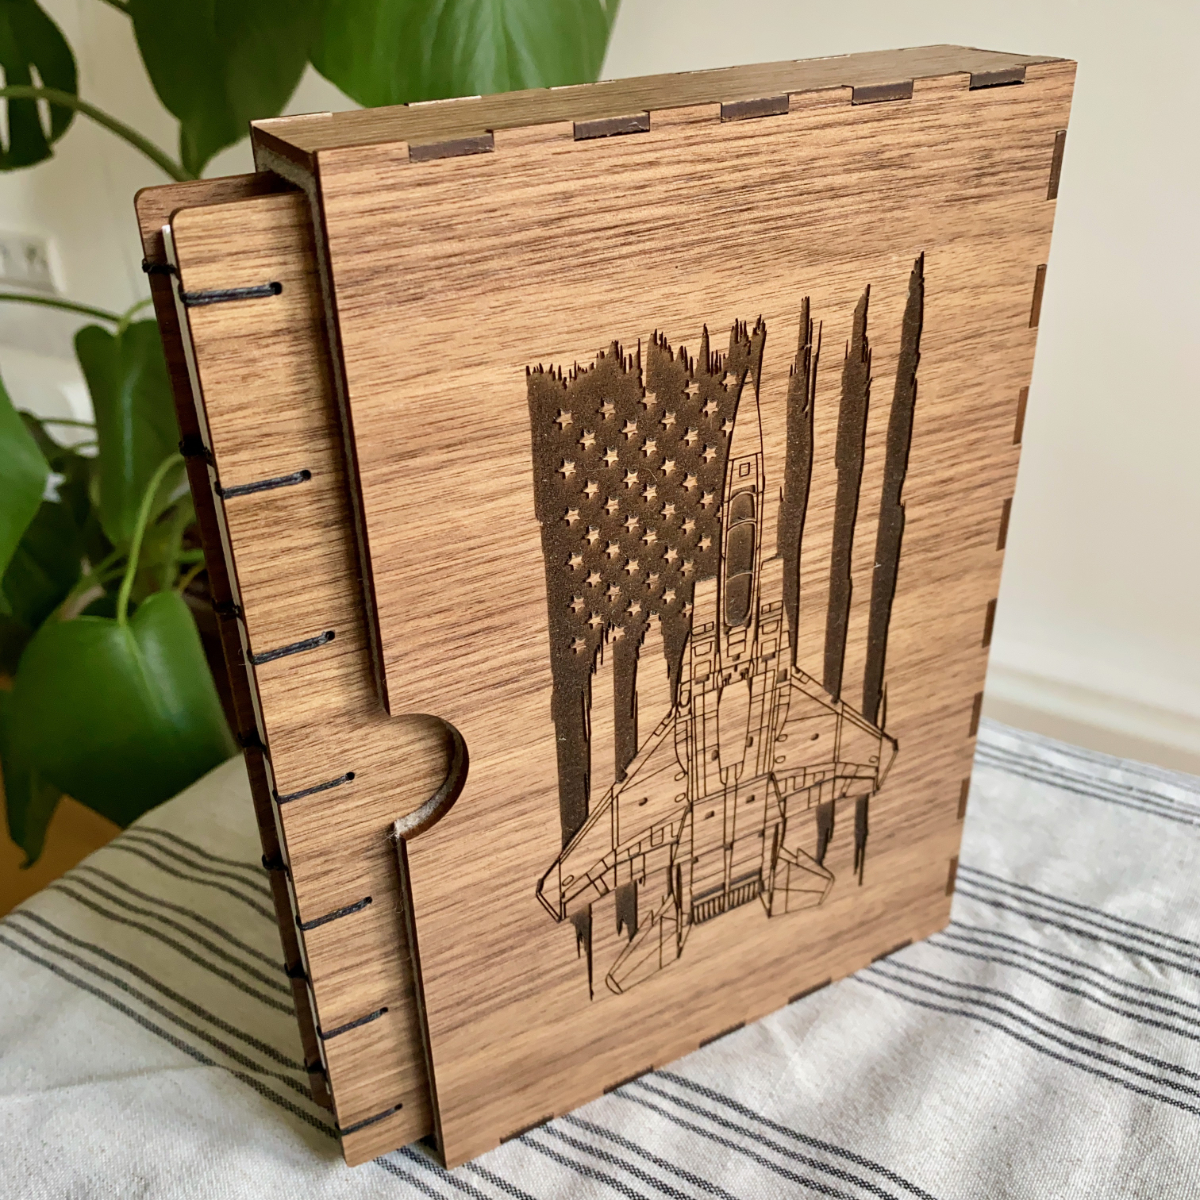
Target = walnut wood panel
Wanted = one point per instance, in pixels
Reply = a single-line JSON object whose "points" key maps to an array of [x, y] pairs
{"points": [[269, 415], [454, 277]]}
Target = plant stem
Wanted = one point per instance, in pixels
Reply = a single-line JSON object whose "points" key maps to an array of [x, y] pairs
{"points": [[130, 313], [86, 310], [139, 530], [127, 133], [182, 585]]}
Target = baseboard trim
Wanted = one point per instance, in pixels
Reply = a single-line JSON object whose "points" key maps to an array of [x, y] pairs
{"points": [[1097, 720]]}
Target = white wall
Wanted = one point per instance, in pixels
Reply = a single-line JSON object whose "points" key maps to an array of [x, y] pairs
{"points": [[1096, 635]]}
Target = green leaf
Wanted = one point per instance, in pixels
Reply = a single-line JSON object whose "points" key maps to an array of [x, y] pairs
{"points": [[122, 717], [135, 420], [390, 52], [30, 41], [23, 474], [46, 565], [29, 799], [219, 64]]}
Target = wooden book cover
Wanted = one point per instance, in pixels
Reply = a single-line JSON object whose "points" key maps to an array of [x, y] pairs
{"points": [[680, 420]]}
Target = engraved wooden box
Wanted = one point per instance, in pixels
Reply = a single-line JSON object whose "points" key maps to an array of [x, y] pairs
{"points": [[655, 441]]}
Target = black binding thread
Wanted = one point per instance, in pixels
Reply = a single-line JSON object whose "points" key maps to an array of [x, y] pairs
{"points": [[193, 446], [317, 1067], [275, 862], [295, 648], [317, 922], [227, 610], [387, 1112], [312, 791], [296, 971], [260, 291], [262, 485], [352, 1024], [153, 268]]}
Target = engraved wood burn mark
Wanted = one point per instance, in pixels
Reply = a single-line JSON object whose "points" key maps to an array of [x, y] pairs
{"points": [[651, 495]]}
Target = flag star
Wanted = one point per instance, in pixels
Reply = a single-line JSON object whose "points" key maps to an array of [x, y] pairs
{"points": [[611, 456], [579, 645], [575, 562], [635, 607], [588, 440], [567, 469], [631, 477], [671, 555], [650, 538], [612, 549], [612, 504], [691, 436], [690, 482], [689, 526], [727, 427], [668, 512], [649, 447], [593, 580], [731, 379], [652, 581], [618, 633], [668, 420], [607, 409], [669, 596], [631, 523], [707, 499], [632, 567], [650, 399], [710, 407], [687, 609], [572, 516], [595, 620], [693, 388], [705, 542], [563, 419], [709, 454], [614, 592], [668, 468], [650, 491], [591, 488], [592, 535], [688, 567], [630, 428], [577, 603]]}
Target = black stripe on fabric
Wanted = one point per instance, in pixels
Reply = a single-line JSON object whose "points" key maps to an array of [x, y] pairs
{"points": [[85, 869], [163, 1011], [272, 981], [804, 1139], [1002, 754], [258, 884], [251, 867], [148, 979], [1037, 910], [138, 851], [978, 990], [184, 1047], [497, 1181], [1090, 793], [189, 954], [395, 1169], [447, 1177], [1028, 949], [592, 1173], [1027, 1041], [696, 1181], [1126, 766], [994, 882], [817, 1185], [1029, 967], [613, 1160]]}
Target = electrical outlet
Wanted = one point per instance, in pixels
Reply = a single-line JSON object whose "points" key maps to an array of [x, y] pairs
{"points": [[25, 262]]}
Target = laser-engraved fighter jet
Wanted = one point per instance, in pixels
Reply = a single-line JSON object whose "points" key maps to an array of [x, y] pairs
{"points": [[731, 800]]}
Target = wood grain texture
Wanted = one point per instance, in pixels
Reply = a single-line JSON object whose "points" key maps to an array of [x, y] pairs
{"points": [[269, 415], [451, 278]]}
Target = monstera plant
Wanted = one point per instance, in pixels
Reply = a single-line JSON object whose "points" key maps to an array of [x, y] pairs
{"points": [[112, 700]]}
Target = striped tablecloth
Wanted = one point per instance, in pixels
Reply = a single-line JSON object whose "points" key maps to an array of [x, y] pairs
{"points": [[1047, 1044]]}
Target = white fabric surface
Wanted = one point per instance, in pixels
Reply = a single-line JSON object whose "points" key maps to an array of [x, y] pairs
{"points": [[1046, 1045]]}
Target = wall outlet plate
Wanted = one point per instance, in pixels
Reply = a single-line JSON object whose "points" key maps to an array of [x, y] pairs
{"points": [[25, 262]]}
